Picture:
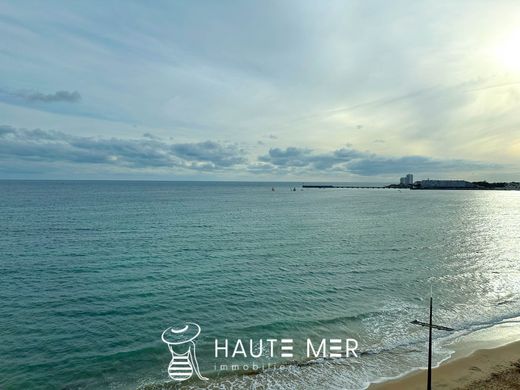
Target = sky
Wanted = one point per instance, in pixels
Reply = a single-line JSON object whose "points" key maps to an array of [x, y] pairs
{"points": [[360, 91]]}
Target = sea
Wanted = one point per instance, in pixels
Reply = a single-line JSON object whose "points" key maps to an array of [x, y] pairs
{"points": [[92, 273]]}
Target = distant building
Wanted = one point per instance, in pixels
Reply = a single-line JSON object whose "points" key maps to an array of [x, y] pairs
{"points": [[406, 180], [444, 184]]}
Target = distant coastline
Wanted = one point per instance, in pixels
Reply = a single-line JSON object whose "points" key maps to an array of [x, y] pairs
{"points": [[430, 184], [407, 182]]}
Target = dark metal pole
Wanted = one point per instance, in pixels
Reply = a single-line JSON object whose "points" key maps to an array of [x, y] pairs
{"points": [[429, 387]]}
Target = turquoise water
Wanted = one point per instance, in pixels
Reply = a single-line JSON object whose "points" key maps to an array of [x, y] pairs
{"points": [[93, 272]]}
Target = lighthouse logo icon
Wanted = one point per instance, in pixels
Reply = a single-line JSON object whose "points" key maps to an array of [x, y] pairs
{"points": [[181, 343]]}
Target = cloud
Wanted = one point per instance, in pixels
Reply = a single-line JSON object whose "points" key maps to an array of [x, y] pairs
{"points": [[4, 130], [36, 148], [147, 152], [34, 97], [209, 151], [293, 157], [286, 77], [362, 163]]}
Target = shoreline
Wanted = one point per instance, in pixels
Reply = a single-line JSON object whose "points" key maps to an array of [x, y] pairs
{"points": [[497, 368], [485, 359]]}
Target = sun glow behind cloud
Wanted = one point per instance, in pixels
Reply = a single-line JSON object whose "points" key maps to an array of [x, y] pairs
{"points": [[507, 51]]}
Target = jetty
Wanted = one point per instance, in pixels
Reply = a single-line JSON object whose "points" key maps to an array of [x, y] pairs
{"points": [[331, 186]]}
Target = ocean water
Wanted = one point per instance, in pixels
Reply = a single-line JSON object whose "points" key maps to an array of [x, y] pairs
{"points": [[91, 273]]}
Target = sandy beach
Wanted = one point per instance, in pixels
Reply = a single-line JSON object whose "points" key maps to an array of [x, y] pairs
{"points": [[490, 369]]}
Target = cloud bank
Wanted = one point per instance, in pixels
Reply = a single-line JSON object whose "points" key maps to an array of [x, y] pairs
{"points": [[44, 146], [146, 152], [361, 163]]}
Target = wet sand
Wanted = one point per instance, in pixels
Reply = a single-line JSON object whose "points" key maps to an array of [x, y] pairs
{"points": [[489, 369]]}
